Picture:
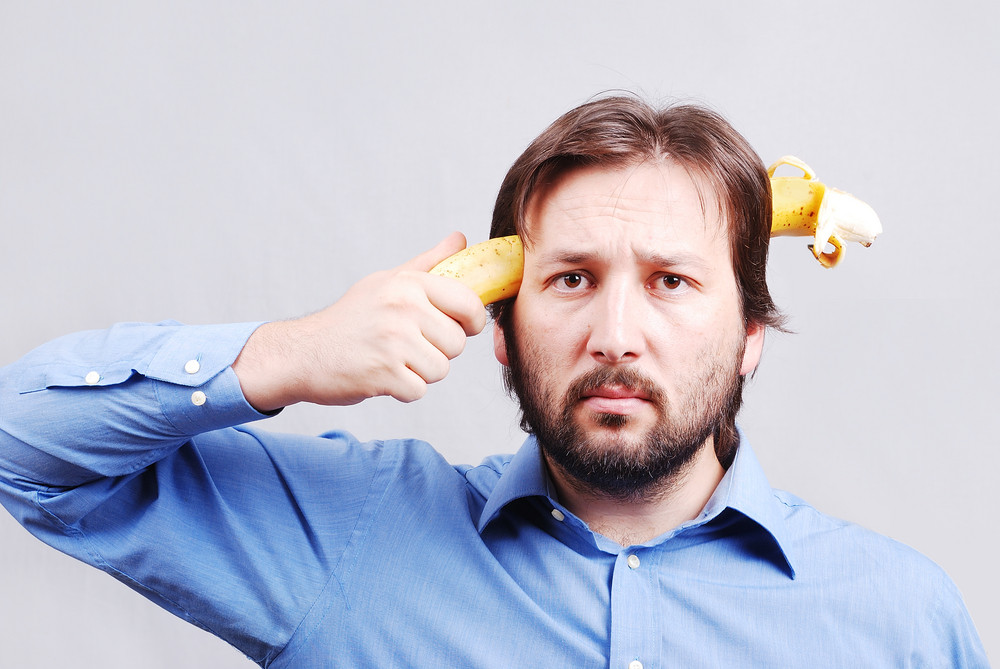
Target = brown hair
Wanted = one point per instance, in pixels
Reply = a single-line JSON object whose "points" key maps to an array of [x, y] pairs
{"points": [[619, 131]]}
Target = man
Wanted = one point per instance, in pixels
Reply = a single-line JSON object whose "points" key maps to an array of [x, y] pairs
{"points": [[633, 529]]}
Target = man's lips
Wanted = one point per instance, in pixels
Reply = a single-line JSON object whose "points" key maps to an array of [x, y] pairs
{"points": [[615, 399]]}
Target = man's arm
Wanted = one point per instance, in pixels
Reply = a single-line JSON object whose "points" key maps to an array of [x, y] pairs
{"points": [[113, 447]]}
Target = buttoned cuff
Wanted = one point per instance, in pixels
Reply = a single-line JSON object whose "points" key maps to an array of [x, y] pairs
{"points": [[188, 367], [195, 384], [218, 403]]}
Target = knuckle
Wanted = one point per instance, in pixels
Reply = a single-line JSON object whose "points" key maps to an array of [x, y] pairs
{"points": [[441, 370], [412, 393], [454, 347]]}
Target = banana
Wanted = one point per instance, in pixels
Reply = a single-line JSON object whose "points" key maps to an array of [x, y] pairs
{"points": [[806, 207], [492, 268], [801, 207]]}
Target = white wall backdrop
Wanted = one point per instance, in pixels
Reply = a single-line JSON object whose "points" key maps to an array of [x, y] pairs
{"points": [[224, 161]]}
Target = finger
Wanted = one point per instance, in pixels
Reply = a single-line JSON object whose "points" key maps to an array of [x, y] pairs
{"points": [[424, 262], [410, 361], [407, 386], [429, 363], [456, 300], [443, 333]]}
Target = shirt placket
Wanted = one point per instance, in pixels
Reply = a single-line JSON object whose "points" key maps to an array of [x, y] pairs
{"points": [[633, 591]]}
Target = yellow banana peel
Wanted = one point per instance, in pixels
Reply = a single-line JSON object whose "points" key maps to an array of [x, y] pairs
{"points": [[801, 207], [806, 207]]}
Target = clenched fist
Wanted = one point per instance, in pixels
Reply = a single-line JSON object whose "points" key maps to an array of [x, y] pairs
{"points": [[391, 334]]}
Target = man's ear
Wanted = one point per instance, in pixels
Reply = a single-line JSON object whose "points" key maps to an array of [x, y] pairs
{"points": [[499, 344], [754, 348]]}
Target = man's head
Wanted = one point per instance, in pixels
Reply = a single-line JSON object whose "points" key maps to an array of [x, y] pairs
{"points": [[679, 164]]}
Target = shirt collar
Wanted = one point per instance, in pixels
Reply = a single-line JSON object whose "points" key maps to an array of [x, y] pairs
{"points": [[523, 476], [744, 489]]}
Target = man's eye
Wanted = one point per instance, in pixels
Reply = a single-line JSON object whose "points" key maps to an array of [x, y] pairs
{"points": [[671, 282], [572, 280]]}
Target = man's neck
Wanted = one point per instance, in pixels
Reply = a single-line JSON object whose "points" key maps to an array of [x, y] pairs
{"points": [[629, 522]]}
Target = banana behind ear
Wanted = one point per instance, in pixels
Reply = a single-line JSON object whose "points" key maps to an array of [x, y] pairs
{"points": [[806, 207]]}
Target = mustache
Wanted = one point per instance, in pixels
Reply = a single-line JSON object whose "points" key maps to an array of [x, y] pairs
{"points": [[629, 378]]}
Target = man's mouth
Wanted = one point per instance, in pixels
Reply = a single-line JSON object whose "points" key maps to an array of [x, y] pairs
{"points": [[615, 399], [609, 390]]}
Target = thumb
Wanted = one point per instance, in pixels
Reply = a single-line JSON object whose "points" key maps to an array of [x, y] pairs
{"points": [[424, 262]]}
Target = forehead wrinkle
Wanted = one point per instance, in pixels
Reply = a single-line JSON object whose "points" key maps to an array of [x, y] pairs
{"points": [[615, 207], [662, 195], [619, 197], [706, 193], [586, 211]]}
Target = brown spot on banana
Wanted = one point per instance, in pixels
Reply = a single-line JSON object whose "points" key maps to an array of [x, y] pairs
{"points": [[801, 206]]}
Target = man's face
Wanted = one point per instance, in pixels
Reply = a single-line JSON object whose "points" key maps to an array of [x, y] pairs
{"points": [[628, 338]]}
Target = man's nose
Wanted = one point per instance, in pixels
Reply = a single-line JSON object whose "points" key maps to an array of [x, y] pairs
{"points": [[617, 323]]}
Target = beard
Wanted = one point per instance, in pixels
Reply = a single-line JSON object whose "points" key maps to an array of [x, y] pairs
{"points": [[604, 453]]}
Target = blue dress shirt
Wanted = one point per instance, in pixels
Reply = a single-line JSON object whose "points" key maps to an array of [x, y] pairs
{"points": [[127, 449]]}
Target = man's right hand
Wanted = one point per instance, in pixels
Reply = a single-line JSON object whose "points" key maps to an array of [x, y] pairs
{"points": [[392, 333]]}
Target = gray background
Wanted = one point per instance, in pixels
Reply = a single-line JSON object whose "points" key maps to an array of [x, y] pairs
{"points": [[230, 161]]}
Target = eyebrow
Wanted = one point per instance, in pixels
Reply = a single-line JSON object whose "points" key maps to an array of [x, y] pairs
{"points": [[679, 259]]}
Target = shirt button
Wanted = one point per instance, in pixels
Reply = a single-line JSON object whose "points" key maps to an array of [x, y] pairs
{"points": [[633, 562], [198, 398], [192, 366], [91, 378], [635, 664], [558, 515]]}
